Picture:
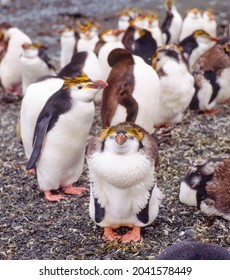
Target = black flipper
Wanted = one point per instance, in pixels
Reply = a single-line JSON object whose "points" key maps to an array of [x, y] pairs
{"points": [[143, 215], [99, 211], [39, 135]]}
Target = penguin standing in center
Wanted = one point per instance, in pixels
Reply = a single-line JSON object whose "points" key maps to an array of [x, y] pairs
{"points": [[133, 91], [54, 140], [123, 161]]}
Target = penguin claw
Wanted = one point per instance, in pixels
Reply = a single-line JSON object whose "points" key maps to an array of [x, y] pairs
{"points": [[53, 197], [70, 189], [110, 235], [133, 235]]}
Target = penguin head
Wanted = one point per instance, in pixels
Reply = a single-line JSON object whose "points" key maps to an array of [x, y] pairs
{"points": [[87, 30], [209, 15], [31, 50], [194, 13], [122, 139], [82, 88], [67, 32], [202, 36]]}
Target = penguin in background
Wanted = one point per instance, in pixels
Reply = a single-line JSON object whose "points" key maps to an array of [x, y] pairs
{"points": [[69, 38], [145, 45], [209, 21], [194, 250], [10, 69], [172, 24], [133, 91], [206, 186], [55, 118], [123, 161], [34, 64]]}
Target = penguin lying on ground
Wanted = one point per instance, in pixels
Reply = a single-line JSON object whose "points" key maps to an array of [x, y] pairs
{"points": [[194, 250], [133, 91], [207, 186], [54, 135], [123, 161], [10, 68], [34, 64]]}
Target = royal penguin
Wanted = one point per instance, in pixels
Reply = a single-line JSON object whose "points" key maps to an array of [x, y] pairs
{"points": [[174, 97], [109, 40], [193, 21], [88, 36], [133, 91], [172, 24], [206, 186], [10, 68], [54, 135], [126, 16], [194, 250], [87, 62], [35, 63], [123, 161], [68, 40], [209, 22], [212, 76], [154, 28], [196, 45]]}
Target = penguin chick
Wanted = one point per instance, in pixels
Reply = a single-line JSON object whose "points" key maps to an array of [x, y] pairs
{"points": [[10, 68], [54, 139], [133, 91], [34, 64], [174, 97], [192, 22], [196, 45], [206, 186], [172, 24], [123, 161], [194, 250]]}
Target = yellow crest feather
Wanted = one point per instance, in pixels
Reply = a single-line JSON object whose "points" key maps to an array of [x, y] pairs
{"points": [[71, 81]]}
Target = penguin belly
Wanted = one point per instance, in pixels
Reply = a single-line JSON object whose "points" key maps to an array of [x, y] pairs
{"points": [[62, 156]]}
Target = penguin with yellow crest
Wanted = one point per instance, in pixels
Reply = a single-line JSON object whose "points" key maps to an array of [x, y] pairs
{"points": [[123, 161], [54, 138]]}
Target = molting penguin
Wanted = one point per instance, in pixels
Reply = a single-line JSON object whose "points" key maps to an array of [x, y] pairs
{"points": [[194, 250], [34, 64], [174, 97], [206, 186], [122, 162], [54, 138], [213, 67], [10, 69], [196, 45], [171, 26], [133, 91]]}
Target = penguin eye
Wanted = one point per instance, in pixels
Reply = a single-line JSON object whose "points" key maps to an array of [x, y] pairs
{"points": [[131, 137], [80, 86]]}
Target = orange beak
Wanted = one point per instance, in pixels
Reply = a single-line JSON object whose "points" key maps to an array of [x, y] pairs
{"points": [[121, 139]]}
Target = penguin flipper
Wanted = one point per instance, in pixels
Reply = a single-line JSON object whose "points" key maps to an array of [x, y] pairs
{"points": [[39, 135], [18, 130]]}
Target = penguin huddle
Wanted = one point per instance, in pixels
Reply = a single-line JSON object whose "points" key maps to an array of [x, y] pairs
{"points": [[142, 77]]}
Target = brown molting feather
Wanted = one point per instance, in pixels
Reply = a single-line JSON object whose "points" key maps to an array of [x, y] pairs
{"points": [[218, 189], [214, 59], [120, 88]]}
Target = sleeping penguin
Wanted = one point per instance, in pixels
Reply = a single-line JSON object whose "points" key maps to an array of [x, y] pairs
{"points": [[54, 138], [123, 161]]}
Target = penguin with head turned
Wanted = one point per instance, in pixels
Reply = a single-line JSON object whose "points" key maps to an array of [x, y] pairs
{"points": [[54, 137], [133, 91]]}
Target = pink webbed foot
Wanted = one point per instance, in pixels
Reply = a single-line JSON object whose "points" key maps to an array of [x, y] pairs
{"points": [[53, 197], [133, 235], [214, 111], [70, 189], [110, 235], [31, 171]]}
